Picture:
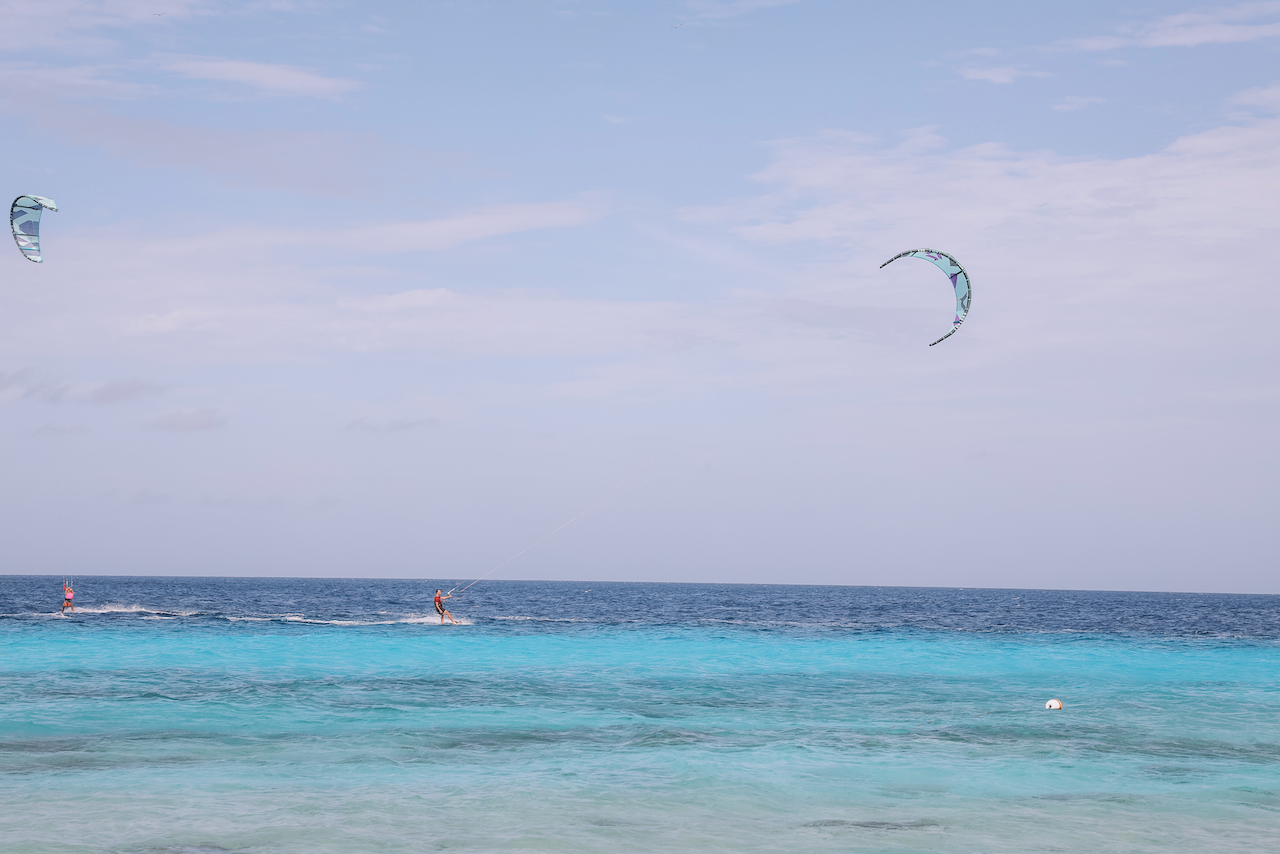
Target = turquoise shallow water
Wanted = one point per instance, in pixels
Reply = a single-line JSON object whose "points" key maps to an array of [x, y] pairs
{"points": [[209, 715]]}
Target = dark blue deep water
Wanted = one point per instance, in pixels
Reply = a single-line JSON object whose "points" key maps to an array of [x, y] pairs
{"points": [[314, 715]]}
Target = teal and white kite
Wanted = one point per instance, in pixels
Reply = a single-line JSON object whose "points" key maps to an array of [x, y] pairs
{"points": [[959, 280], [24, 217]]}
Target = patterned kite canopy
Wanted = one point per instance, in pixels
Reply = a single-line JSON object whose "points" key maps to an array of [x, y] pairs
{"points": [[959, 280], [24, 217]]}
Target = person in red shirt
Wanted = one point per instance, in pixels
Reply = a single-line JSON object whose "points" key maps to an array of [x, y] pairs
{"points": [[67, 596], [440, 608]]}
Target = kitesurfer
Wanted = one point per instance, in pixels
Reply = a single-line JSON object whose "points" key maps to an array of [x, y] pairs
{"points": [[67, 596], [440, 608]]}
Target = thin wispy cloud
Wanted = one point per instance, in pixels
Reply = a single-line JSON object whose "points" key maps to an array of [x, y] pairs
{"points": [[464, 227], [22, 384], [1235, 24], [92, 26], [109, 82], [484, 223], [121, 390], [1265, 99], [188, 421], [96, 82], [1212, 187], [314, 163], [116, 29], [999, 74], [27, 384], [1072, 103], [264, 78]]}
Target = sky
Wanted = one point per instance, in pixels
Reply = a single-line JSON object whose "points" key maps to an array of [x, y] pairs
{"points": [[396, 289]]}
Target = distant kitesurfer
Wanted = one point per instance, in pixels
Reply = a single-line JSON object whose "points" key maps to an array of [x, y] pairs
{"points": [[440, 608], [67, 596]]}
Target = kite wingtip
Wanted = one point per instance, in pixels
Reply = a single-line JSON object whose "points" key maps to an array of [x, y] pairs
{"points": [[42, 201], [945, 337]]}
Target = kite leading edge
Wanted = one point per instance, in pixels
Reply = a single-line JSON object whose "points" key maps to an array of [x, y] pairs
{"points": [[959, 280], [24, 218]]}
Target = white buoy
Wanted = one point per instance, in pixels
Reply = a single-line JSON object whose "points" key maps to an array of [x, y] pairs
{"points": [[1053, 704]]}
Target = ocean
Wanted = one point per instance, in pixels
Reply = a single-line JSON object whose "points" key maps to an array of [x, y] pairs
{"points": [[186, 715]]}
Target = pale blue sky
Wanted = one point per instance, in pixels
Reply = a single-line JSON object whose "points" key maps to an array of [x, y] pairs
{"points": [[394, 289]]}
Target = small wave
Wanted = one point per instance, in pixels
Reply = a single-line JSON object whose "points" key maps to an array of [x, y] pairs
{"points": [[872, 825]]}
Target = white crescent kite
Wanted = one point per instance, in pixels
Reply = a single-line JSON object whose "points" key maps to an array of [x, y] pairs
{"points": [[959, 280], [24, 219]]}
